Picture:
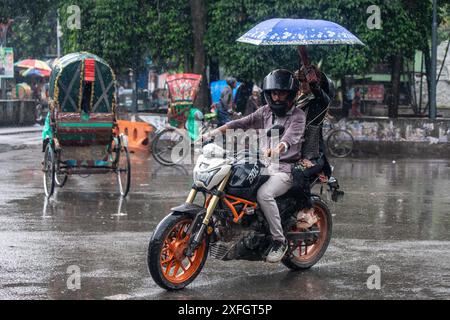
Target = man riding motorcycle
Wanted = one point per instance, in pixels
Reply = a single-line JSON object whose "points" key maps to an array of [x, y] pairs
{"points": [[280, 88]]}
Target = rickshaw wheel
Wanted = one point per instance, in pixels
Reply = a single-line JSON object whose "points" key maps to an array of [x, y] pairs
{"points": [[123, 171], [60, 179], [49, 170]]}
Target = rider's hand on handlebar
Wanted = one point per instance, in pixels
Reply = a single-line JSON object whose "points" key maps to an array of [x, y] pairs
{"points": [[275, 152]]}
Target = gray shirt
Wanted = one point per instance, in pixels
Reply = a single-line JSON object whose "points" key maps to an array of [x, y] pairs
{"points": [[226, 96], [294, 124]]}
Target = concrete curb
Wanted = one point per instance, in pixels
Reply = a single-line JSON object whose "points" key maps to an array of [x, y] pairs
{"points": [[14, 131]]}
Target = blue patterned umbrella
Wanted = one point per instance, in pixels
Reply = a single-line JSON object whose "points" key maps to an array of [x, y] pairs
{"points": [[298, 32]]}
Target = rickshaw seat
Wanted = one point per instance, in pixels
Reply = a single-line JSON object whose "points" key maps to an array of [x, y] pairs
{"points": [[81, 129]]}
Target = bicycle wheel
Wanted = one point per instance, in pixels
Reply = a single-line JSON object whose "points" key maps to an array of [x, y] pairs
{"points": [[167, 147], [340, 143]]}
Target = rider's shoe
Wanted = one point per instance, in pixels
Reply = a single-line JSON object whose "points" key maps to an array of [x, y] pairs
{"points": [[277, 252], [307, 219]]}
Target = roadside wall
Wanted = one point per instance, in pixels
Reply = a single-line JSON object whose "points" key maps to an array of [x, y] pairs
{"points": [[17, 112], [409, 136]]}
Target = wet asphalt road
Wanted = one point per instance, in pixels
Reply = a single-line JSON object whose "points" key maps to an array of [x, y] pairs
{"points": [[395, 216]]}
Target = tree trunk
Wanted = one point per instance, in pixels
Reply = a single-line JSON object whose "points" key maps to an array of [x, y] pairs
{"points": [[346, 105], [198, 15], [188, 63], [427, 54], [214, 72], [395, 85]]}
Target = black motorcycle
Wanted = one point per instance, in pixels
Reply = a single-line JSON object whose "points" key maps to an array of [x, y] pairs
{"points": [[230, 225]]}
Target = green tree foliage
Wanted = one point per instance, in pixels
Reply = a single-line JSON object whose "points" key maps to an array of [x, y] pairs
{"points": [[170, 33], [31, 40], [400, 33], [33, 32], [229, 19], [113, 29], [32, 9]]}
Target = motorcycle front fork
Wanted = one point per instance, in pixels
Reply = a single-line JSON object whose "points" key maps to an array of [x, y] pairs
{"points": [[195, 241]]}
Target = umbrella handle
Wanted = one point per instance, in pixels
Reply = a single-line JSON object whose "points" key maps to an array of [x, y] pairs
{"points": [[310, 74], [303, 56]]}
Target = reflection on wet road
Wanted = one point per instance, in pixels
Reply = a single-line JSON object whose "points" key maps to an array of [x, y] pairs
{"points": [[394, 215]]}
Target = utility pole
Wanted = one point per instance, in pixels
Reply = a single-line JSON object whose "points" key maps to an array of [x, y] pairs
{"points": [[58, 36], [433, 82], [132, 76]]}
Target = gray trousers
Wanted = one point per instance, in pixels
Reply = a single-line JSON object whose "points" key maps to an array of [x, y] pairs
{"points": [[278, 184]]}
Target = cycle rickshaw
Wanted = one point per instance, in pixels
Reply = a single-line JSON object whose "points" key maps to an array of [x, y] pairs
{"points": [[81, 135], [182, 114]]}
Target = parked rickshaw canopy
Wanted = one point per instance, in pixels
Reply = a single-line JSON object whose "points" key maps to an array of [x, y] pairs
{"points": [[82, 81]]}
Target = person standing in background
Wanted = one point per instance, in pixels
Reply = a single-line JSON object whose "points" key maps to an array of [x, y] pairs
{"points": [[254, 101], [226, 106], [356, 103]]}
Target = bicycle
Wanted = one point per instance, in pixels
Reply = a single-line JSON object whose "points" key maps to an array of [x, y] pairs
{"points": [[169, 137], [338, 142]]}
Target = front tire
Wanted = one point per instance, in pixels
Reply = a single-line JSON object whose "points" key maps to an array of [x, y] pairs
{"points": [[304, 256], [167, 263]]}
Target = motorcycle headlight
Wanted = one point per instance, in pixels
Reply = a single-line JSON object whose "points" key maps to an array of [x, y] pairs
{"points": [[205, 177]]}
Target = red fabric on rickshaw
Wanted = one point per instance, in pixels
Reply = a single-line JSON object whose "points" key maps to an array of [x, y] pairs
{"points": [[183, 87], [73, 130]]}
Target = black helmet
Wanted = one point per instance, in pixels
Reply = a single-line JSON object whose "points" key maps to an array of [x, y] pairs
{"points": [[284, 80]]}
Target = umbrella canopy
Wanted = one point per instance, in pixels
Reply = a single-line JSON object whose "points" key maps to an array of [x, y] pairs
{"points": [[35, 72], [298, 32], [34, 64]]}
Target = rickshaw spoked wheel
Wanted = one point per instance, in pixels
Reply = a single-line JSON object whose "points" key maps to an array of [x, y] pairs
{"points": [[49, 170], [123, 170], [60, 178]]}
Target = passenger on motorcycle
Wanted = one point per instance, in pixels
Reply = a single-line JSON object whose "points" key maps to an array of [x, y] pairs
{"points": [[280, 88], [316, 93]]}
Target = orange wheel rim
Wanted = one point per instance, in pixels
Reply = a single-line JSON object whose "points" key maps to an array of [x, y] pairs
{"points": [[305, 253], [175, 266]]}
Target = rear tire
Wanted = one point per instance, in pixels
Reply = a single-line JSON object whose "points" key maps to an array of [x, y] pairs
{"points": [[166, 254], [49, 170], [60, 179], [304, 256]]}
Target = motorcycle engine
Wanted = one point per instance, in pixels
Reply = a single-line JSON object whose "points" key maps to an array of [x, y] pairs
{"points": [[237, 241]]}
